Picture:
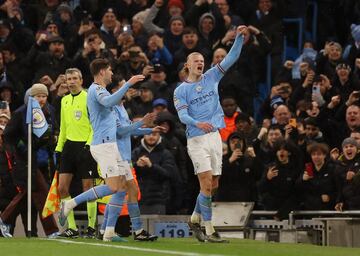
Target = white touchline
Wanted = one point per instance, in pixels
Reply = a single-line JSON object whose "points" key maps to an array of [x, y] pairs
{"points": [[134, 248]]}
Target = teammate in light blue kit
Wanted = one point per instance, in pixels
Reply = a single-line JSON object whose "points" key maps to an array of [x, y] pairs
{"points": [[125, 129], [197, 103], [104, 148]]}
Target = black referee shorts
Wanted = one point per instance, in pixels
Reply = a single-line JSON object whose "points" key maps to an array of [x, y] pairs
{"points": [[77, 160]]}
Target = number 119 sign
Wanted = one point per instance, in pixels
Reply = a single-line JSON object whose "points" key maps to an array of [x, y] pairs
{"points": [[172, 229]]}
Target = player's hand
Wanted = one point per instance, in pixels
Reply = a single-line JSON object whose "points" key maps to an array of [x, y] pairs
{"points": [[242, 30], [149, 118], [254, 30], [339, 207], [272, 172], [206, 127], [135, 79], [159, 129]]}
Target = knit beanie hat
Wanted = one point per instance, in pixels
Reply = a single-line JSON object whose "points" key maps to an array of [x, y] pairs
{"points": [[355, 32], [38, 89], [177, 3], [140, 16], [351, 141], [177, 17]]}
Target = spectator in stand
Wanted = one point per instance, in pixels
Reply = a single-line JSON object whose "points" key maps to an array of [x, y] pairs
{"points": [[327, 60], [347, 177], [229, 17], [132, 62], [110, 27], [246, 128], [141, 105], [52, 62], [157, 52], [158, 85], [15, 135], [317, 182], [282, 116], [7, 94], [15, 68], [277, 185], [265, 150], [190, 43], [138, 31], [178, 181], [154, 166], [345, 81], [4, 119], [355, 134], [268, 19], [174, 27], [94, 47], [240, 172], [243, 77], [231, 111], [206, 16]]}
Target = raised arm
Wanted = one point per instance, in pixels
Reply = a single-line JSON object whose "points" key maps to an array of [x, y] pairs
{"points": [[235, 50], [111, 100]]}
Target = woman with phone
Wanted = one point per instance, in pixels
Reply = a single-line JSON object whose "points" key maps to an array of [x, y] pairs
{"points": [[277, 185], [240, 172], [317, 183]]}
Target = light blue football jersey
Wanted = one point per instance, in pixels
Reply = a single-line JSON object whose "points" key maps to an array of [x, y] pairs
{"points": [[100, 107], [199, 101]]}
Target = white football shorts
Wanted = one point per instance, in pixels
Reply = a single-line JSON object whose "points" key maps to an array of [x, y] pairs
{"points": [[110, 161], [205, 152]]}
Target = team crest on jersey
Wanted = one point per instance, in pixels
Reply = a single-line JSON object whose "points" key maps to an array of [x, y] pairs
{"points": [[198, 88], [78, 114]]}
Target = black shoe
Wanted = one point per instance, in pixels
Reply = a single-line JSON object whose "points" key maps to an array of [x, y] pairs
{"points": [[69, 233], [144, 236], [90, 233], [216, 238], [100, 236], [196, 228]]}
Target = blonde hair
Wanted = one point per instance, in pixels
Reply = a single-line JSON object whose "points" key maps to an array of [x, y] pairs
{"points": [[186, 69]]}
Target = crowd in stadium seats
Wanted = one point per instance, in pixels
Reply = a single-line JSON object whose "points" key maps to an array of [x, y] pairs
{"points": [[302, 153]]}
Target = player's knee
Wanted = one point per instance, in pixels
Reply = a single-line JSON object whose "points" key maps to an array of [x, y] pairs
{"points": [[132, 191]]}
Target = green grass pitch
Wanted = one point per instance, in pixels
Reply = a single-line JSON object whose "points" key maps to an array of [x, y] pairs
{"points": [[180, 246]]}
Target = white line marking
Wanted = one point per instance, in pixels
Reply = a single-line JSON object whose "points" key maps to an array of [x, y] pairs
{"points": [[134, 248]]}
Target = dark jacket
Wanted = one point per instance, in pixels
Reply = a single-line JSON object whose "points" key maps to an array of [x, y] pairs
{"points": [[15, 136], [280, 188], [238, 179], [154, 182], [323, 183], [348, 190]]}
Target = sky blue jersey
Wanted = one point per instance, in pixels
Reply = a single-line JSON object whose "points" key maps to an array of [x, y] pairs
{"points": [[100, 107], [125, 128], [199, 101]]}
